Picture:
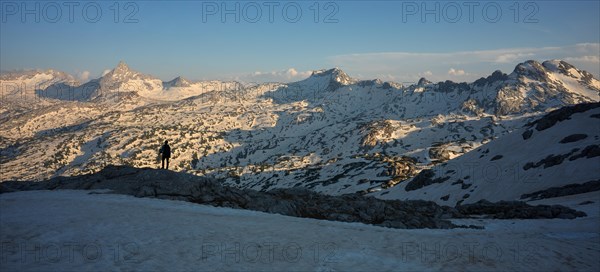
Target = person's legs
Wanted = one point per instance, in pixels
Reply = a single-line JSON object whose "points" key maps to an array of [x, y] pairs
{"points": [[163, 163], [167, 163]]}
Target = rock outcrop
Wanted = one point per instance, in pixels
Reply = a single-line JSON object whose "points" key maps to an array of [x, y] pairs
{"points": [[164, 184]]}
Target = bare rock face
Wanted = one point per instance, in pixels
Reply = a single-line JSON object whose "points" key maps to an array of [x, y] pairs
{"points": [[573, 138], [375, 131], [550, 119], [178, 82], [293, 202], [423, 81], [399, 168], [443, 152], [337, 78], [532, 69], [562, 67], [497, 76], [517, 209], [570, 189], [298, 202], [424, 178]]}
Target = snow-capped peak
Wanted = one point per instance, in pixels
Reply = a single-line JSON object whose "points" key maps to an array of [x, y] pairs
{"points": [[529, 68], [553, 65], [177, 82], [120, 71], [30, 74], [335, 74], [539, 71], [565, 68], [122, 66], [324, 72]]}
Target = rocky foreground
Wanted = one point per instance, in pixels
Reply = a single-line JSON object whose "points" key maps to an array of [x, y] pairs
{"points": [[164, 184]]}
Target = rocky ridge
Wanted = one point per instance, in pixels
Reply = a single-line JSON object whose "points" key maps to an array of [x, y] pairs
{"points": [[297, 202]]}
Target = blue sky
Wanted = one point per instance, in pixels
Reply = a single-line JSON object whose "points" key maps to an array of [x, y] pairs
{"points": [[391, 40]]}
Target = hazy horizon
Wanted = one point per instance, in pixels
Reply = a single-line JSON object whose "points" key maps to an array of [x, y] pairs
{"points": [[274, 74], [284, 41]]}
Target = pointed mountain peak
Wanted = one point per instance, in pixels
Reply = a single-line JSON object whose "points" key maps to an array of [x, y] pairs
{"points": [[120, 72], [423, 81], [494, 77], [539, 71], [326, 72], [335, 74], [177, 82], [528, 67], [118, 75], [531, 69], [121, 67]]}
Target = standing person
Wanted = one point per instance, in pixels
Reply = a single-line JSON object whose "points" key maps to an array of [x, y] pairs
{"points": [[165, 150]]}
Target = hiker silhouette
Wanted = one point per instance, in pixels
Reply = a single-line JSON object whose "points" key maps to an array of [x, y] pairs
{"points": [[165, 150]]}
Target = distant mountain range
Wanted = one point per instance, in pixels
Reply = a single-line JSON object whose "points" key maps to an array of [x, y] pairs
{"points": [[329, 132]]}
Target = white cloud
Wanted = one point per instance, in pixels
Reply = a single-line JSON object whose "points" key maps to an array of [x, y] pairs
{"points": [[512, 57], [105, 72], [456, 72], [292, 72], [405, 64], [287, 75], [83, 76], [592, 59]]}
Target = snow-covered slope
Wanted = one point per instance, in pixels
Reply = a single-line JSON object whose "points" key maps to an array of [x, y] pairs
{"points": [[26, 83], [329, 132], [559, 149], [123, 83], [77, 230], [27, 90]]}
